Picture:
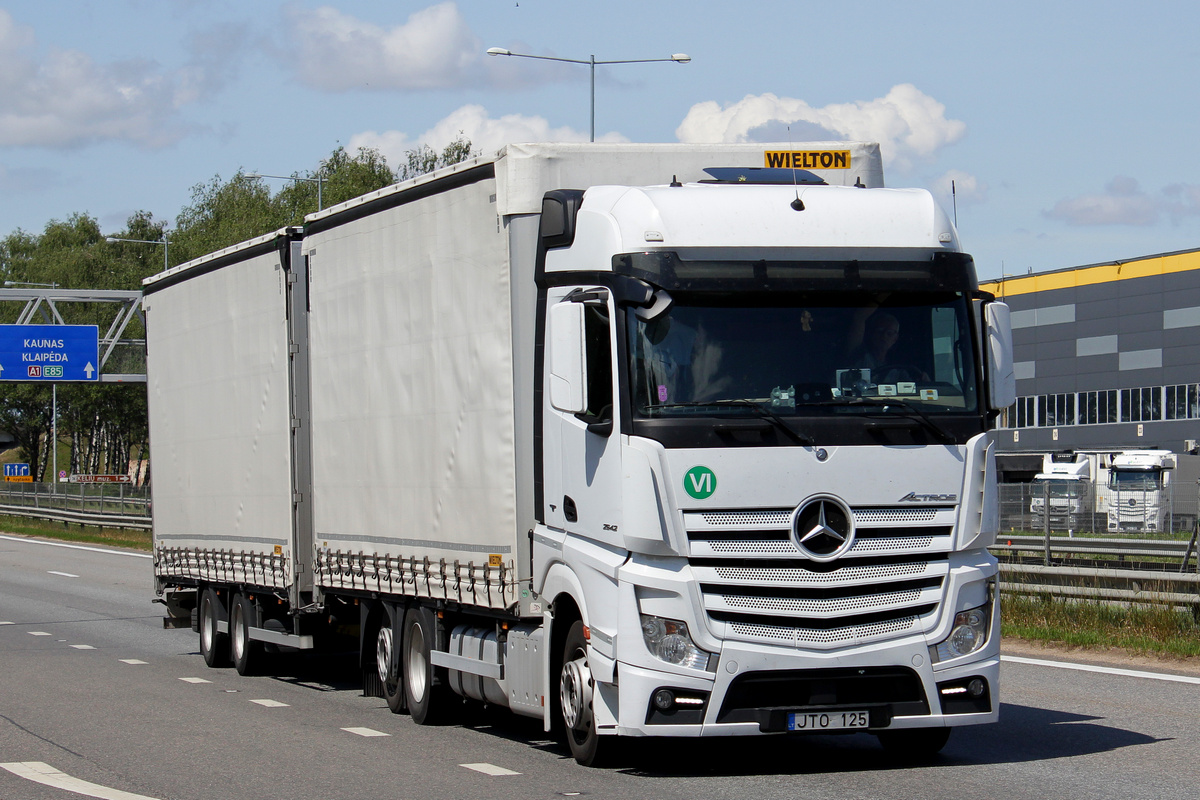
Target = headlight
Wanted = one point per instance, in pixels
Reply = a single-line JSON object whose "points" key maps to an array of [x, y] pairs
{"points": [[669, 640], [968, 634]]}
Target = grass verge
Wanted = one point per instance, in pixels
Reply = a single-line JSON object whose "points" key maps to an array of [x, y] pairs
{"points": [[86, 534], [1141, 630]]}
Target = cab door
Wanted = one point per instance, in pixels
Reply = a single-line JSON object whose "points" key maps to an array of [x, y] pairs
{"points": [[584, 497]]}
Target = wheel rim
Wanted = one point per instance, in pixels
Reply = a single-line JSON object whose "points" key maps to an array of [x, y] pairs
{"points": [[383, 655], [416, 669], [239, 632], [206, 624], [575, 694]]}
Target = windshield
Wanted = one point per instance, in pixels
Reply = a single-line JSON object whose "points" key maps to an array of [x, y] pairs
{"points": [[803, 352], [1060, 488], [1135, 479]]}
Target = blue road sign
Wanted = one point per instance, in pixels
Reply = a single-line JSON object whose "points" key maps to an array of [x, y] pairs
{"points": [[16, 470], [49, 353]]}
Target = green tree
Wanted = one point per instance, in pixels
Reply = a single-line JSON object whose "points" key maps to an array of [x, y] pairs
{"points": [[223, 214], [425, 159]]}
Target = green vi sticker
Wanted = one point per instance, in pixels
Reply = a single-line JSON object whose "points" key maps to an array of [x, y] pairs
{"points": [[700, 482]]}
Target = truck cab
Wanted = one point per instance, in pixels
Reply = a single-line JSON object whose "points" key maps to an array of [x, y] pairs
{"points": [[763, 447]]}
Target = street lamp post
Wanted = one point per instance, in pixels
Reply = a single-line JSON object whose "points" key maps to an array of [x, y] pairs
{"points": [[678, 58], [163, 242], [319, 181]]}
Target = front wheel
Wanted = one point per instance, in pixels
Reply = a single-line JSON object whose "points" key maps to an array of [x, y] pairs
{"points": [[576, 688]]}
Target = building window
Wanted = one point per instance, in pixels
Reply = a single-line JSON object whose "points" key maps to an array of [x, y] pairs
{"points": [[1056, 409], [1096, 408], [1141, 405], [1026, 410], [1183, 401]]}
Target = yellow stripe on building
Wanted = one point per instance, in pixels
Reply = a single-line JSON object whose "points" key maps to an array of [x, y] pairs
{"points": [[1101, 273]]}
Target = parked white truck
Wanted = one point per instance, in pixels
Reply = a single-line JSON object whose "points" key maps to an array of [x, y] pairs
{"points": [[1141, 495], [593, 434], [1075, 485]]}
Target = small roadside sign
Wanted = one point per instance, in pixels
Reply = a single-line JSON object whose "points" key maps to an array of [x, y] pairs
{"points": [[101, 479], [17, 473], [49, 353]]}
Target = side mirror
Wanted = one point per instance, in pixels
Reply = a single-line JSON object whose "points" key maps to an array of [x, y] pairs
{"points": [[1002, 381], [568, 358]]}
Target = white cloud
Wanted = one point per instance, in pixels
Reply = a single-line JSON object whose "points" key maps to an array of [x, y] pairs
{"points": [[334, 52], [1121, 203], [66, 99], [485, 134], [907, 123]]}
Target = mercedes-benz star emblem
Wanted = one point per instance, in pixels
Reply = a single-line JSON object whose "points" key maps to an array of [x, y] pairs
{"points": [[823, 528]]}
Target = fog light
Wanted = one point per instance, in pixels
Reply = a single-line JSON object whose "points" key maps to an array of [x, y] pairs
{"points": [[664, 700], [975, 688]]}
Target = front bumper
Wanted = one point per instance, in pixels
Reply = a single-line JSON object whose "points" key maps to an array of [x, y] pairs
{"points": [[754, 689]]}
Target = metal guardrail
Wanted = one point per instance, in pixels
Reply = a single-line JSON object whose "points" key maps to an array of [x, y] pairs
{"points": [[111, 506], [1111, 585], [1164, 548], [99, 519]]}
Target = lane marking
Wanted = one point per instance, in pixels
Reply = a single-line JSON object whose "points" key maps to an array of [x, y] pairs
{"points": [[365, 732], [83, 647], [43, 773], [1128, 673], [39, 633], [7, 623], [270, 703], [132, 661], [76, 547], [195, 680], [489, 769], [63, 574]]}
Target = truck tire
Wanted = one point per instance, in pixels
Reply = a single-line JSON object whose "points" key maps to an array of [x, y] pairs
{"points": [[915, 744], [214, 646], [575, 688], [247, 653], [424, 692], [387, 660]]}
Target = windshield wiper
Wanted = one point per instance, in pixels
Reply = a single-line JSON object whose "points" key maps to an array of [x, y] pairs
{"points": [[763, 411], [894, 402]]}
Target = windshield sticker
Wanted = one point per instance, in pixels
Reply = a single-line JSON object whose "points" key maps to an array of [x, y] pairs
{"points": [[662, 393], [700, 482], [929, 394]]}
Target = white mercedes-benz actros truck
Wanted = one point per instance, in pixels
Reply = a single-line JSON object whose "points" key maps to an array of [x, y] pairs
{"points": [[641, 440]]}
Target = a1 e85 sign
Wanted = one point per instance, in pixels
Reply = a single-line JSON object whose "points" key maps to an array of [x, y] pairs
{"points": [[49, 353]]}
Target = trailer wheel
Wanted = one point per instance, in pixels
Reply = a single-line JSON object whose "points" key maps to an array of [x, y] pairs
{"points": [[387, 663], [575, 688], [214, 646], [424, 693], [247, 652], [914, 744]]}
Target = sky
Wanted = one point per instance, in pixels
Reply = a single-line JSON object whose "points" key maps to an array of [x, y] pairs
{"points": [[1069, 130]]}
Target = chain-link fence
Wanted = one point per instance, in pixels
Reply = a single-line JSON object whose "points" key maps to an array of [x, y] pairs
{"points": [[1080, 508]]}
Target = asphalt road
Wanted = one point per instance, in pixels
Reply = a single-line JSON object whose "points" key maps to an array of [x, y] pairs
{"points": [[92, 689]]}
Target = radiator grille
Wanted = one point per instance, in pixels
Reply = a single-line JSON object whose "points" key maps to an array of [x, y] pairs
{"points": [[757, 586]]}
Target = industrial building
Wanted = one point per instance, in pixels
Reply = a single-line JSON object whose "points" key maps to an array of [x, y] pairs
{"points": [[1107, 356]]}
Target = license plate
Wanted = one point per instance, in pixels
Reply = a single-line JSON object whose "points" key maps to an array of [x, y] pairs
{"points": [[827, 720]]}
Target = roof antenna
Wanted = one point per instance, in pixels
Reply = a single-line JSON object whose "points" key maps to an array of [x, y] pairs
{"points": [[954, 202], [797, 204]]}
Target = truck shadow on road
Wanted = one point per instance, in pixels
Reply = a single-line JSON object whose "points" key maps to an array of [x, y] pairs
{"points": [[1024, 734]]}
